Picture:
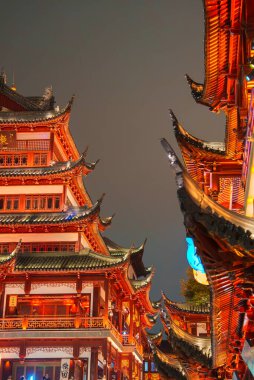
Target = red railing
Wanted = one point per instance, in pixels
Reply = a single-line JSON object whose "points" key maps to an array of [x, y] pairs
{"points": [[62, 322]]}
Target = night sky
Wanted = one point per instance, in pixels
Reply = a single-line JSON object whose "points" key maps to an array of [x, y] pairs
{"points": [[125, 62]]}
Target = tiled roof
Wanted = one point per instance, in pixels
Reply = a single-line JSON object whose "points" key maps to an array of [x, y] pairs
{"points": [[32, 116], [4, 259], [217, 148], [136, 255], [71, 215], [58, 168], [185, 307], [52, 261], [32, 103], [142, 283]]}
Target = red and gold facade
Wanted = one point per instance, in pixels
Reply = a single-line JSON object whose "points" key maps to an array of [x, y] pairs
{"points": [[66, 293], [215, 187]]}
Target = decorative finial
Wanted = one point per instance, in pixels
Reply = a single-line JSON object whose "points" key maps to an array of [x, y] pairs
{"points": [[173, 117], [48, 93], [101, 198], [85, 152], [13, 86], [3, 76]]}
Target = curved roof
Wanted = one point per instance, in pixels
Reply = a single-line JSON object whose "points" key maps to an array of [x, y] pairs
{"points": [[168, 364], [136, 255], [185, 307], [238, 229], [157, 304], [29, 103], [7, 258], [202, 146], [203, 344], [33, 116], [155, 338], [139, 284], [57, 168], [59, 261], [69, 216]]}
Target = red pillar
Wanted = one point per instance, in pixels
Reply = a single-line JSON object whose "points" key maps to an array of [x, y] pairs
{"points": [[94, 363]]}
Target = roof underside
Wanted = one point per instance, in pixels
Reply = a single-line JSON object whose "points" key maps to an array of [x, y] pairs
{"points": [[222, 27]]}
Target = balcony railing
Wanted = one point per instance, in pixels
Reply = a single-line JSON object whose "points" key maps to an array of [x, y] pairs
{"points": [[62, 322], [52, 322]]}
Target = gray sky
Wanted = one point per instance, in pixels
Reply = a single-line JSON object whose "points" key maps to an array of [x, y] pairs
{"points": [[125, 61]]}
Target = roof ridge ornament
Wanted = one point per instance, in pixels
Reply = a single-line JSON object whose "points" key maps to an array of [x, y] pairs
{"points": [[174, 162], [3, 76], [173, 118], [84, 154], [99, 201]]}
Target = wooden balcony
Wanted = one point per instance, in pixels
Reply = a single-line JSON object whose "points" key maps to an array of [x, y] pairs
{"points": [[35, 324]]}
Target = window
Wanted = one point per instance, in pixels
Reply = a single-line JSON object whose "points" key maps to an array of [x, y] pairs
{"points": [[13, 160], [15, 204], [8, 203], [40, 159], [145, 366], [57, 202], [28, 203], [4, 248], [39, 247], [43, 202], [49, 203], [153, 367]]}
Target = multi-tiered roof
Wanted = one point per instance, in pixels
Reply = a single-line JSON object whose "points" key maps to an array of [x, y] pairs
{"points": [[54, 231], [214, 188]]}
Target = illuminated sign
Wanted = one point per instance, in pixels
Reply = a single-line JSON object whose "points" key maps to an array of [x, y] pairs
{"points": [[7, 138], [192, 256], [13, 301]]}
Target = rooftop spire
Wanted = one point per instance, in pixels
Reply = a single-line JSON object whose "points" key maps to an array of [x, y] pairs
{"points": [[3, 76], [13, 86]]}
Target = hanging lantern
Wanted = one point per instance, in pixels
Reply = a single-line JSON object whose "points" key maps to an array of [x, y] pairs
{"points": [[192, 256], [200, 277]]}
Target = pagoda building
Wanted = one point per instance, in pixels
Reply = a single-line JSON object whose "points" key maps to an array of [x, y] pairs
{"points": [[73, 304], [216, 195]]}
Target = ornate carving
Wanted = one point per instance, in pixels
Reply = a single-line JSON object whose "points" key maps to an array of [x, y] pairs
{"points": [[84, 349], [9, 350], [37, 285], [67, 349], [86, 284], [15, 286], [47, 323]]}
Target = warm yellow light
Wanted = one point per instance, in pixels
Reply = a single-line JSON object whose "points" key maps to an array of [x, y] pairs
{"points": [[200, 277]]}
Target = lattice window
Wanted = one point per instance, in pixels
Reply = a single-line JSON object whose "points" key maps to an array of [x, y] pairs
{"points": [[9, 203], [39, 247], [31, 145], [13, 159], [38, 145], [41, 202], [40, 159], [231, 193]]}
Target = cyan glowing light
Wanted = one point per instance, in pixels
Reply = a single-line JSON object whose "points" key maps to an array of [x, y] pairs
{"points": [[192, 256]]}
